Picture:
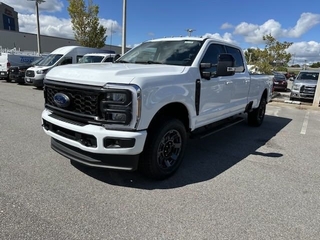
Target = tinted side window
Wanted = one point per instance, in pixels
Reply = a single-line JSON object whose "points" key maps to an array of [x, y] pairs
{"points": [[78, 58], [66, 60], [236, 53], [211, 56], [109, 59]]}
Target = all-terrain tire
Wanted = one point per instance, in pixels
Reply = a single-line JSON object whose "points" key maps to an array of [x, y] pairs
{"points": [[255, 117], [164, 149]]}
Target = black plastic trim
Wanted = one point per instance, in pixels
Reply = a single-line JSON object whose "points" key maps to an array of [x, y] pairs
{"points": [[197, 95], [121, 162]]}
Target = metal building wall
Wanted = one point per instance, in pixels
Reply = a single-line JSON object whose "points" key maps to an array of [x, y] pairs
{"points": [[28, 42]]}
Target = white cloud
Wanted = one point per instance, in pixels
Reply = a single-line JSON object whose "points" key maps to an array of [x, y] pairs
{"points": [[304, 24], [226, 26], [309, 51], [225, 37], [253, 33], [25, 6], [62, 27]]}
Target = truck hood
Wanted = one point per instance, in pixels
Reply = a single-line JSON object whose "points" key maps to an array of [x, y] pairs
{"points": [[305, 82], [98, 74]]}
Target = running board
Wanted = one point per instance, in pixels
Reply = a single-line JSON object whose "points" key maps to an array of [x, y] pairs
{"points": [[215, 127]]}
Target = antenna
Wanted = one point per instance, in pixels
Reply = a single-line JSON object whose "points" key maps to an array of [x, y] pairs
{"points": [[190, 30]]}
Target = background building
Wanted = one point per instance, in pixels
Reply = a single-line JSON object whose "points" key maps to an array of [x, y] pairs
{"points": [[8, 18], [11, 38]]}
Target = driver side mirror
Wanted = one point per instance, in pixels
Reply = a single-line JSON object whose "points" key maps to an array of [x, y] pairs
{"points": [[226, 65]]}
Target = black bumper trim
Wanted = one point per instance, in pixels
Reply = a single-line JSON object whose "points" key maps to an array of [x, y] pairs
{"points": [[121, 162]]}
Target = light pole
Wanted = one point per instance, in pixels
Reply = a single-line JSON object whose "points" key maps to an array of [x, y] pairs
{"points": [[124, 26], [38, 24], [190, 31]]}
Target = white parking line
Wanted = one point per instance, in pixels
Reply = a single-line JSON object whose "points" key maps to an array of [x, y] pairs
{"points": [[305, 123], [276, 112]]}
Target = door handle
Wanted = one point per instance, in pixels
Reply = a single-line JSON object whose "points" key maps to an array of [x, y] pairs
{"points": [[228, 82], [247, 80]]}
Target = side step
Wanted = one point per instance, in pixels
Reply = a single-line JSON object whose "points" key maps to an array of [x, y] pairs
{"points": [[215, 127]]}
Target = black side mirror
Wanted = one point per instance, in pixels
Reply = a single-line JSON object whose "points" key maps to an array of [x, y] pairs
{"points": [[225, 66]]}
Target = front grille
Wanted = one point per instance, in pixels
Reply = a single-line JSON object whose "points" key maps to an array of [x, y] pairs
{"points": [[308, 89], [84, 101], [29, 73]]}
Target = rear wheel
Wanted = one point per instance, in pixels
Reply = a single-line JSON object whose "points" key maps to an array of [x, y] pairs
{"points": [[255, 118], [164, 149]]}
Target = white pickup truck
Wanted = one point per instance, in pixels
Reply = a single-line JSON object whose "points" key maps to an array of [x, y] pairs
{"points": [[138, 112]]}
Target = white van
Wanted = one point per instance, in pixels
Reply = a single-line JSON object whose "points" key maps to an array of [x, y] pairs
{"points": [[60, 56], [97, 57], [17, 59]]}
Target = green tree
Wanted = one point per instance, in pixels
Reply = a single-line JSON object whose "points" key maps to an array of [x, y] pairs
{"points": [[273, 57], [315, 65], [85, 24], [251, 55]]}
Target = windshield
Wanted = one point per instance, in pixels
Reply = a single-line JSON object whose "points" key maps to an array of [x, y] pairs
{"points": [[36, 62], [308, 76], [50, 60], [180, 53], [91, 59]]}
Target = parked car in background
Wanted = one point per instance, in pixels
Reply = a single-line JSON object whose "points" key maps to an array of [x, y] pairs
{"points": [[15, 58], [17, 73], [280, 82], [290, 75], [304, 86], [60, 56], [97, 57]]}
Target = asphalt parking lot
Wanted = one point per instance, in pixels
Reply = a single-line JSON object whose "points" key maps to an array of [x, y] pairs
{"points": [[240, 183]]}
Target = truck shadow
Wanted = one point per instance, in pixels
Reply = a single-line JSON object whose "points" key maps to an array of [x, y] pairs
{"points": [[206, 158]]}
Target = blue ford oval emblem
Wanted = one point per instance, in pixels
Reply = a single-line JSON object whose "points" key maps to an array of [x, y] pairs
{"points": [[61, 99]]}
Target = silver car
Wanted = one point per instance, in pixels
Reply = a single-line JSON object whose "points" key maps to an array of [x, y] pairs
{"points": [[304, 86]]}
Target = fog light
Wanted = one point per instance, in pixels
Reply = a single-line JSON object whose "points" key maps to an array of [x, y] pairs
{"points": [[119, 117], [118, 142]]}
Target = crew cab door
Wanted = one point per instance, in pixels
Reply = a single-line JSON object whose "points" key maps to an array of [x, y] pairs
{"points": [[240, 82], [215, 94]]}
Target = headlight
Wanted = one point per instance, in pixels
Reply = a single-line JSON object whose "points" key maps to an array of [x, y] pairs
{"points": [[296, 87], [42, 71], [116, 107], [116, 97]]}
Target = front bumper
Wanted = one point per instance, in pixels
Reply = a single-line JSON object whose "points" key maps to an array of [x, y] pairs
{"points": [[4, 74], [68, 140], [37, 82], [17, 78], [299, 95]]}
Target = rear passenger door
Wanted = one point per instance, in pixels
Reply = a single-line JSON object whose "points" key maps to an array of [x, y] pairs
{"points": [[240, 82]]}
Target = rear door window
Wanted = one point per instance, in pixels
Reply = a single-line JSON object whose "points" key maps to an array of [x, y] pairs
{"points": [[236, 53]]}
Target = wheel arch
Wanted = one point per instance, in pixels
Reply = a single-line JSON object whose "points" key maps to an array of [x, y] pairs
{"points": [[176, 110]]}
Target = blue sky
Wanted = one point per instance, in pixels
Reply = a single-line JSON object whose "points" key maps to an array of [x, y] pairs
{"points": [[240, 22]]}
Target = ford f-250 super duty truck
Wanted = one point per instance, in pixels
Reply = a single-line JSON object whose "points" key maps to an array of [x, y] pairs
{"points": [[138, 112]]}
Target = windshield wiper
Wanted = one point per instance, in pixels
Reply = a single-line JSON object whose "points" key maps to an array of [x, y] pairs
{"points": [[149, 62], [121, 61]]}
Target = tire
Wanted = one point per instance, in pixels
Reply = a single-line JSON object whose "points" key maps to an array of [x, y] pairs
{"points": [[164, 149], [8, 80], [255, 118]]}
